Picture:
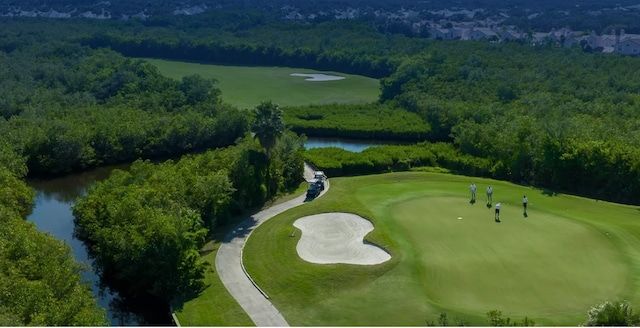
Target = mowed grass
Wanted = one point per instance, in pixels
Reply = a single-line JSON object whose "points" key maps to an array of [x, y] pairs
{"points": [[245, 86], [215, 306], [570, 253]]}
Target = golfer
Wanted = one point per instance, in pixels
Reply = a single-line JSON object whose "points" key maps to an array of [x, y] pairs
{"points": [[473, 191], [497, 215], [489, 195], [524, 204]]}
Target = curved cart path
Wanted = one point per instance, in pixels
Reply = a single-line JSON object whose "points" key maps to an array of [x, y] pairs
{"points": [[231, 271]]}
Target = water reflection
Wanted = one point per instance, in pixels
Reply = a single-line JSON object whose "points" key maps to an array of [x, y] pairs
{"points": [[352, 145], [67, 188], [52, 213]]}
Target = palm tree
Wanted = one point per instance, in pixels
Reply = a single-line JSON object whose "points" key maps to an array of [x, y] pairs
{"points": [[268, 125]]}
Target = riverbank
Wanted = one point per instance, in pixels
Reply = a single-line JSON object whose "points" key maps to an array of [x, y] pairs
{"points": [[52, 213]]}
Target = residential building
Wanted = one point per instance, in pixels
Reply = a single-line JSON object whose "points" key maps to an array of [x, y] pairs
{"points": [[628, 47], [482, 33]]}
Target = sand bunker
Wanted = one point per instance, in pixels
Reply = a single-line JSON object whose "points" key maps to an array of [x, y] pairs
{"points": [[337, 238], [319, 77]]}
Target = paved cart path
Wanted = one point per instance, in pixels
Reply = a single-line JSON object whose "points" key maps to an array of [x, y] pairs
{"points": [[231, 271]]}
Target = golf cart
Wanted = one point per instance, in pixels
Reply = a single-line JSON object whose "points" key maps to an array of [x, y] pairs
{"points": [[319, 178], [314, 189]]}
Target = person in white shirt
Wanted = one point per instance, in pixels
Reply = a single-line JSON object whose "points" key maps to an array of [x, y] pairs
{"points": [[489, 195], [497, 215], [473, 192], [524, 205]]}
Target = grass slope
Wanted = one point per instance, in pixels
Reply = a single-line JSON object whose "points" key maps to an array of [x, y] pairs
{"points": [[569, 254], [214, 306], [245, 87]]}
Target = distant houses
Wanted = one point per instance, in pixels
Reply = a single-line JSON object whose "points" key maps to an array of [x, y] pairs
{"points": [[445, 34], [511, 35], [628, 47], [622, 43], [482, 33]]}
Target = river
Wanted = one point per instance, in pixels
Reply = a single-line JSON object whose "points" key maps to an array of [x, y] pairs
{"points": [[52, 213]]}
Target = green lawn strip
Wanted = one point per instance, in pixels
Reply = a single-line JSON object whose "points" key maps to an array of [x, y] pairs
{"points": [[303, 288], [245, 87], [551, 266], [215, 306]]}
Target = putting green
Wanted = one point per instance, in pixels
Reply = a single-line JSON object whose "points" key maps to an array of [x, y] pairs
{"points": [[543, 264], [568, 255], [245, 86]]}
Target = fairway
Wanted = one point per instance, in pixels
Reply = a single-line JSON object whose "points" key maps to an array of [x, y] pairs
{"points": [[569, 254], [245, 86]]}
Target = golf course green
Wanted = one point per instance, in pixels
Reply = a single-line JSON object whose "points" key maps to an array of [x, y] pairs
{"points": [[449, 255], [245, 86]]}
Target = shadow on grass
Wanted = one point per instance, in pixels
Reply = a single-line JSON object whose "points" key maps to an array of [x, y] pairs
{"points": [[207, 249], [549, 193], [239, 226], [177, 305]]}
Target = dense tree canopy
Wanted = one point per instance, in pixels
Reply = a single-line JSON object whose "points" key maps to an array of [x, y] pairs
{"points": [[69, 108], [555, 118], [40, 282], [144, 227], [358, 121]]}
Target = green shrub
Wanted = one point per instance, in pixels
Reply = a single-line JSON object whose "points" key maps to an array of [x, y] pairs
{"points": [[339, 162]]}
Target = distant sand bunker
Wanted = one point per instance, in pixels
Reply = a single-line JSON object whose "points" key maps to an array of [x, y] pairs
{"points": [[319, 77], [337, 238]]}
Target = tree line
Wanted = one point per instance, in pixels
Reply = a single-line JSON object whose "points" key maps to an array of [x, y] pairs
{"points": [[559, 119], [69, 108], [144, 227], [553, 118], [40, 281], [358, 121]]}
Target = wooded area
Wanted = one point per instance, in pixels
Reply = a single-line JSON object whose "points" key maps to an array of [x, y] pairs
{"points": [[553, 118], [40, 282]]}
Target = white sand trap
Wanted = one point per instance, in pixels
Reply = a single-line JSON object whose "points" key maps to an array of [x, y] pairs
{"points": [[319, 77], [337, 238]]}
